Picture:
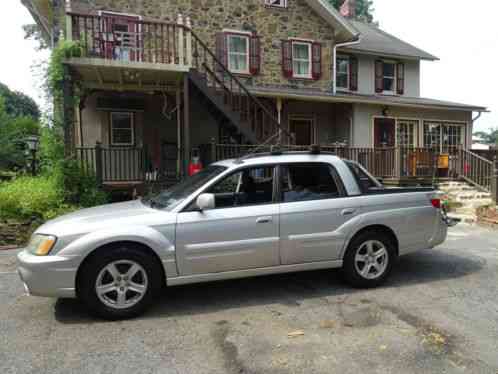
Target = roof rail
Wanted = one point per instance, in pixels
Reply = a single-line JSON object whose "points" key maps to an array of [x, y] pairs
{"points": [[314, 149]]}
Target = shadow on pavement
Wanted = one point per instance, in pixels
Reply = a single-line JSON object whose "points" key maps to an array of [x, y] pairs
{"points": [[288, 289]]}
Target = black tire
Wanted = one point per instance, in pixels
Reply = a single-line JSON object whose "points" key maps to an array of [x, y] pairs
{"points": [[91, 270], [350, 270]]}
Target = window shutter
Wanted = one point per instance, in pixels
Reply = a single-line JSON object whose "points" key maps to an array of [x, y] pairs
{"points": [[316, 61], [254, 55], [379, 76], [221, 50], [353, 73], [287, 58], [400, 72]]}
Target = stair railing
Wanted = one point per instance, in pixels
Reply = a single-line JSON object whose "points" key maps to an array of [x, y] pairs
{"points": [[235, 94], [475, 169]]}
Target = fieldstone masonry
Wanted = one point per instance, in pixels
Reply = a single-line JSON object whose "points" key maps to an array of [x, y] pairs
{"points": [[208, 17]]}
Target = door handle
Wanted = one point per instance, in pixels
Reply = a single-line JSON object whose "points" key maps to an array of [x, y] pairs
{"points": [[264, 220], [348, 212]]}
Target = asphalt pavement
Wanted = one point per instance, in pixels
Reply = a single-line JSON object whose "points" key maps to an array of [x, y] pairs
{"points": [[437, 314]]}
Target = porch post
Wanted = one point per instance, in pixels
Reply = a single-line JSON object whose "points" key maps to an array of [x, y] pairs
{"points": [[186, 125], [213, 150], [68, 111], [98, 163], [69, 21], [179, 145], [494, 180], [181, 51]]}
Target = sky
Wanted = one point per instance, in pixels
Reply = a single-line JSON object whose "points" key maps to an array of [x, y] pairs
{"points": [[463, 34]]}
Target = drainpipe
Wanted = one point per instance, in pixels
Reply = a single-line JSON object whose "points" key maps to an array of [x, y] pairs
{"points": [[469, 139], [334, 59]]}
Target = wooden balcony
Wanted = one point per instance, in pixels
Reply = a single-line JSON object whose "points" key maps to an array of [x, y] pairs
{"points": [[121, 52]]}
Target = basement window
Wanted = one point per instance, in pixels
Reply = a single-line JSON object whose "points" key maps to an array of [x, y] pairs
{"points": [[276, 3]]}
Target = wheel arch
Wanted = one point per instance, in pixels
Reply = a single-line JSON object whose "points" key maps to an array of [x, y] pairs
{"points": [[122, 243], [377, 228]]}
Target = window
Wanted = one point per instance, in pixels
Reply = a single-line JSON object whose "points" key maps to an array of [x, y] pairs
{"points": [[407, 133], [342, 75], [276, 3], [366, 181], [253, 186], [301, 59], [389, 77], [238, 53], [122, 129], [443, 136], [308, 181]]}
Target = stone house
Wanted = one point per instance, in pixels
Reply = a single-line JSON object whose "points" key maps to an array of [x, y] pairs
{"points": [[162, 78]]}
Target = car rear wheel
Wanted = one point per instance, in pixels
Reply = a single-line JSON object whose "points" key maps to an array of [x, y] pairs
{"points": [[120, 282], [369, 259]]}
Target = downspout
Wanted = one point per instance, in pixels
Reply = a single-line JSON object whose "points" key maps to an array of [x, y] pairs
{"points": [[334, 59], [469, 139]]}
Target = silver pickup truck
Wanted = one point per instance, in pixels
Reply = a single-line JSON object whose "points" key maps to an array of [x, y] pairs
{"points": [[261, 215]]}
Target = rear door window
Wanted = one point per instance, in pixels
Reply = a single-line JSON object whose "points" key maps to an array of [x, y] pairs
{"points": [[309, 181]]}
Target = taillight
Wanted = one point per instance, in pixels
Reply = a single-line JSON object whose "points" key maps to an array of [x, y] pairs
{"points": [[436, 203]]}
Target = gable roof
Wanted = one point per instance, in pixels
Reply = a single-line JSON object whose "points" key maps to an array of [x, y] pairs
{"points": [[378, 42], [344, 30]]}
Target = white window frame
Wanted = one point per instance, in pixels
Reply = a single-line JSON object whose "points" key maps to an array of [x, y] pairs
{"points": [[394, 78], [310, 59], [276, 3], [416, 126], [132, 129], [348, 72], [240, 35], [462, 126]]}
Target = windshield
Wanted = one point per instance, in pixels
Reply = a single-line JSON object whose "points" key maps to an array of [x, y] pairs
{"points": [[173, 196]]}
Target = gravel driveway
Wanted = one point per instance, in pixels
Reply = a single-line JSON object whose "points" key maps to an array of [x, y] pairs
{"points": [[437, 314]]}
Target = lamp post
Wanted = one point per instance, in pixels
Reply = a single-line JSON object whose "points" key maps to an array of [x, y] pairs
{"points": [[33, 143]]}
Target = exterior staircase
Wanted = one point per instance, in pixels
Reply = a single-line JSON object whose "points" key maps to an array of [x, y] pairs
{"points": [[465, 199], [241, 114]]}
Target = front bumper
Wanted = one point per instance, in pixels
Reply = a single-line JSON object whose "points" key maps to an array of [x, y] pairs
{"points": [[49, 276]]}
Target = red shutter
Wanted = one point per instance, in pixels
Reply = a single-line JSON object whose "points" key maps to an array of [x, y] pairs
{"points": [[221, 50], [400, 72], [379, 76], [287, 58], [353, 73], [254, 55], [316, 56]]}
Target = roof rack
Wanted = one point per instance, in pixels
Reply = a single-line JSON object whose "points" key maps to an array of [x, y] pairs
{"points": [[314, 149]]}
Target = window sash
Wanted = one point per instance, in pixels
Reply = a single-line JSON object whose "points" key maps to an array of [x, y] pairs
{"points": [[443, 136], [301, 66], [407, 133], [119, 129], [277, 3], [343, 71], [389, 78], [238, 60]]}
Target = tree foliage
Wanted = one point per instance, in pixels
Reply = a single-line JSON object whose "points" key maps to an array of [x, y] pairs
{"points": [[488, 137], [364, 9], [18, 104]]}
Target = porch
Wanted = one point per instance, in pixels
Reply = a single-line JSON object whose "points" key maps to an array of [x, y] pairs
{"points": [[393, 165]]}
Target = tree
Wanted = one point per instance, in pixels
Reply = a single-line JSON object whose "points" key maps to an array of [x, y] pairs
{"points": [[488, 137], [364, 9], [18, 104]]}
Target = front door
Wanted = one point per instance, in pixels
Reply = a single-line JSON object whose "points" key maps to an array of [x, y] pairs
{"points": [[313, 214], [384, 132], [242, 232], [302, 130]]}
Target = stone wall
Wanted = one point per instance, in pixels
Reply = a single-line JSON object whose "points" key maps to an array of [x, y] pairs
{"points": [[16, 233], [271, 24]]}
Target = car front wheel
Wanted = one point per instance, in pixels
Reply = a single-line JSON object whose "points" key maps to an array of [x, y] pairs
{"points": [[119, 283], [369, 260]]}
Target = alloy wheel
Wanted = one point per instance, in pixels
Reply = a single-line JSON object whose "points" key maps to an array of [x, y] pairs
{"points": [[371, 259]]}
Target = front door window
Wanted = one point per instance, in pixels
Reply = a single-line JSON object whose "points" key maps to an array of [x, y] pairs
{"points": [[407, 133]]}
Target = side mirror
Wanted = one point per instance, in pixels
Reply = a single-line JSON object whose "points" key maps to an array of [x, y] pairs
{"points": [[206, 201]]}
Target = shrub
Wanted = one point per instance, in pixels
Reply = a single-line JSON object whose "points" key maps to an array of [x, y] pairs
{"points": [[29, 197], [79, 187]]}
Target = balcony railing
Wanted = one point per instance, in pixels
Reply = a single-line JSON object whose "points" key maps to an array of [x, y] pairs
{"points": [[131, 39]]}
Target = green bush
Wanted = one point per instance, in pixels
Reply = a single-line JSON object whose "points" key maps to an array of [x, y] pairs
{"points": [[79, 187], [29, 197], [45, 197]]}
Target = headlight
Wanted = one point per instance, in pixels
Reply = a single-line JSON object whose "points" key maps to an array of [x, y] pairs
{"points": [[41, 245]]}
